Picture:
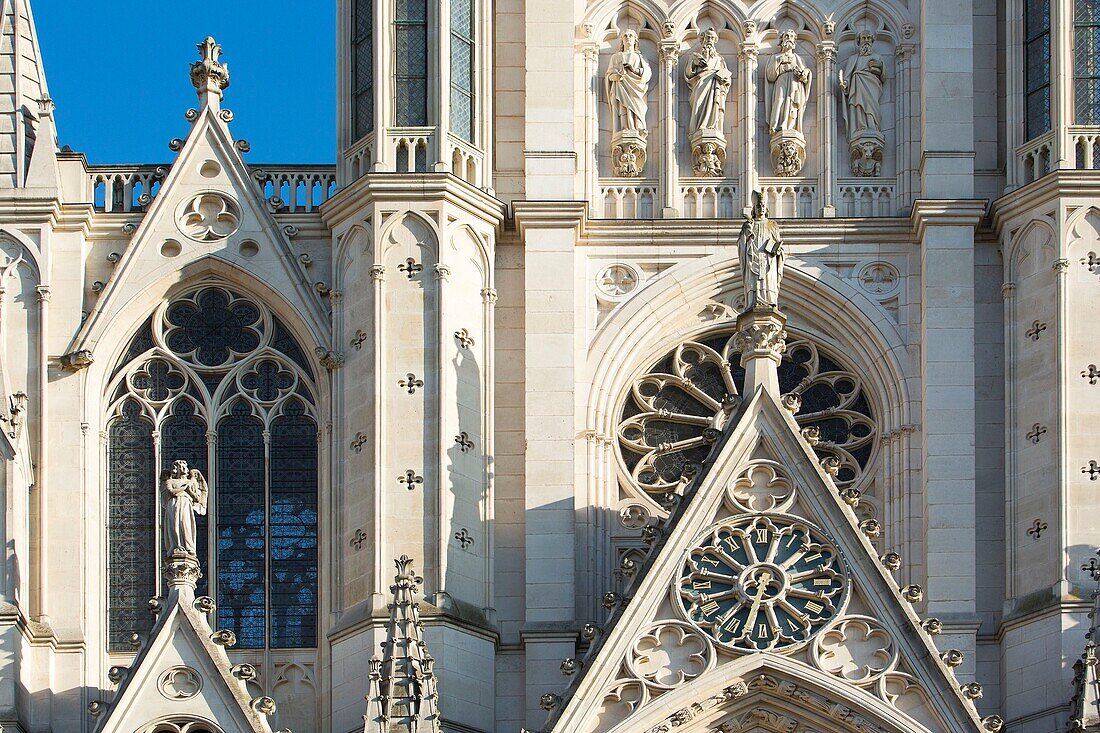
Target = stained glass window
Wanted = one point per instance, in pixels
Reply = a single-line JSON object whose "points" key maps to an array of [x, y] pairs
{"points": [[1036, 67], [131, 512], [462, 69], [411, 63], [215, 352], [362, 74], [1086, 62]]}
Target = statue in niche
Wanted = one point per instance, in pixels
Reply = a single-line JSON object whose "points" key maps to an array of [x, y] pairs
{"points": [[760, 249], [185, 494], [709, 79], [627, 84], [788, 93], [861, 80]]}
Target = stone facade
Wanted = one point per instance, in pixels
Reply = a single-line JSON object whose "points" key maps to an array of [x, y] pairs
{"points": [[505, 334]]}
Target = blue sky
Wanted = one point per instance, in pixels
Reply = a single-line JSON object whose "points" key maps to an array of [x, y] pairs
{"points": [[118, 72]]}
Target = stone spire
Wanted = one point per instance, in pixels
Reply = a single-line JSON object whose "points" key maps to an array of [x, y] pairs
{"points": [[760, 336], [403, 697], [209, 76], [27, 137], [1085, 707]]}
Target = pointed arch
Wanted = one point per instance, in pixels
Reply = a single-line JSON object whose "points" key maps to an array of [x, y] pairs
{"points": [[402, 218], [811, 16], [1088, 216], [683, 13], [1018, 249], [892, 16], [604, 17]]}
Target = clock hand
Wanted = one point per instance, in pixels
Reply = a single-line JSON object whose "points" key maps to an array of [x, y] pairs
{"points": [[761, 588]]}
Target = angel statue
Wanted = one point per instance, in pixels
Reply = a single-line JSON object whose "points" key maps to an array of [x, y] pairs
{"points": [[185, 494], [760, 249]]}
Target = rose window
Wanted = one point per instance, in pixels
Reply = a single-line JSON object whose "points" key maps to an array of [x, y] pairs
{"points": [[676, 412]]}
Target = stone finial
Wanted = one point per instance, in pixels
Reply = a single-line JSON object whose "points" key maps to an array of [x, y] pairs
{"points": [[209, 76], [403, 681]]}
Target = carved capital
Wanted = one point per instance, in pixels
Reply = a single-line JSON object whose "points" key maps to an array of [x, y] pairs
{"points": [[826, 52], [489, 295], [443, 272], [761, 334], [377, 272], [749, 52], [669, 52], [182, 569]]}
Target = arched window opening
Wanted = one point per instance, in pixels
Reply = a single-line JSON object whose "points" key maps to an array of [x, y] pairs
{"points": [[462, 70], [1086, 62], [215, 379], [1036, 67], [411, 63], [676, 411], [362, 74]]}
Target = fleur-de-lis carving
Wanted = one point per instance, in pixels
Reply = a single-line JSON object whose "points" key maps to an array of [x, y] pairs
{"points": [[1037, 433], [410, 383], [464, 538], [464, 442], [358, 539], [358, 442], [410, 479], [464, 338], [1037, 529], [410, 267], [360, 337], [1093, 470], [1092, 374], [1037, 327]]}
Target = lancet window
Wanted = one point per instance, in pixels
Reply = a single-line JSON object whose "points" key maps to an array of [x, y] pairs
{"points": [[462, 69], [217, 380], [1086, 62], [676, 411], [362, 58], [1036, 67], [411, 63]]}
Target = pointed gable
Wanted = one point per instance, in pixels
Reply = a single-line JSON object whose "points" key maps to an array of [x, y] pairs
{"points": [[207, 208], [182, 674], [22, 89], [765, 607]]}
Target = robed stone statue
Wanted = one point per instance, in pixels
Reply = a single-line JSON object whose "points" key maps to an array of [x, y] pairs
{"points": [[789, 79], [760, 249], [627, 82], [861, 80], [185, 494], [709, 80]]}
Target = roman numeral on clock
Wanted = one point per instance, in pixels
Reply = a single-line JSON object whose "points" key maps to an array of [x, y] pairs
{"points": [[700, 584], [814, 607], [709, 609]]}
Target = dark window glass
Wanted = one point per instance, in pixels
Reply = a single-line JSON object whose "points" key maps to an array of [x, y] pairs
{"points": [[462, 69], [362, 55], [242, 545], [293, 529], [131, 509], [1086, 62], [411, 45], [1036, 67]]}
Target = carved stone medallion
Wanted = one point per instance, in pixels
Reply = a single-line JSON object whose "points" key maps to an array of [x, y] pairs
{"points": [[179, 683], [209, 216]]}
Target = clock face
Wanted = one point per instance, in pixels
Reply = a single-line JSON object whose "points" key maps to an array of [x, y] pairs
{"points": [[763, 582]]}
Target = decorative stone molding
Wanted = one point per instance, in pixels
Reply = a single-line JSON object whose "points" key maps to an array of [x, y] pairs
{"points": [[855, 648], [329, 359], [691, 712], [179, 683], [669, 654], [209, 217], [182, 569], [762, 486], [761, 332]]}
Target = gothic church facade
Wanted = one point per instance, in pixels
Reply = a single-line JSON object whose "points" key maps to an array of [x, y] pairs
{"points": [[520, 339]]}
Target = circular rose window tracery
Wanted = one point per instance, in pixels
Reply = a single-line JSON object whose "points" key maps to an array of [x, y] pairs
{"points": [[676, 412]]}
